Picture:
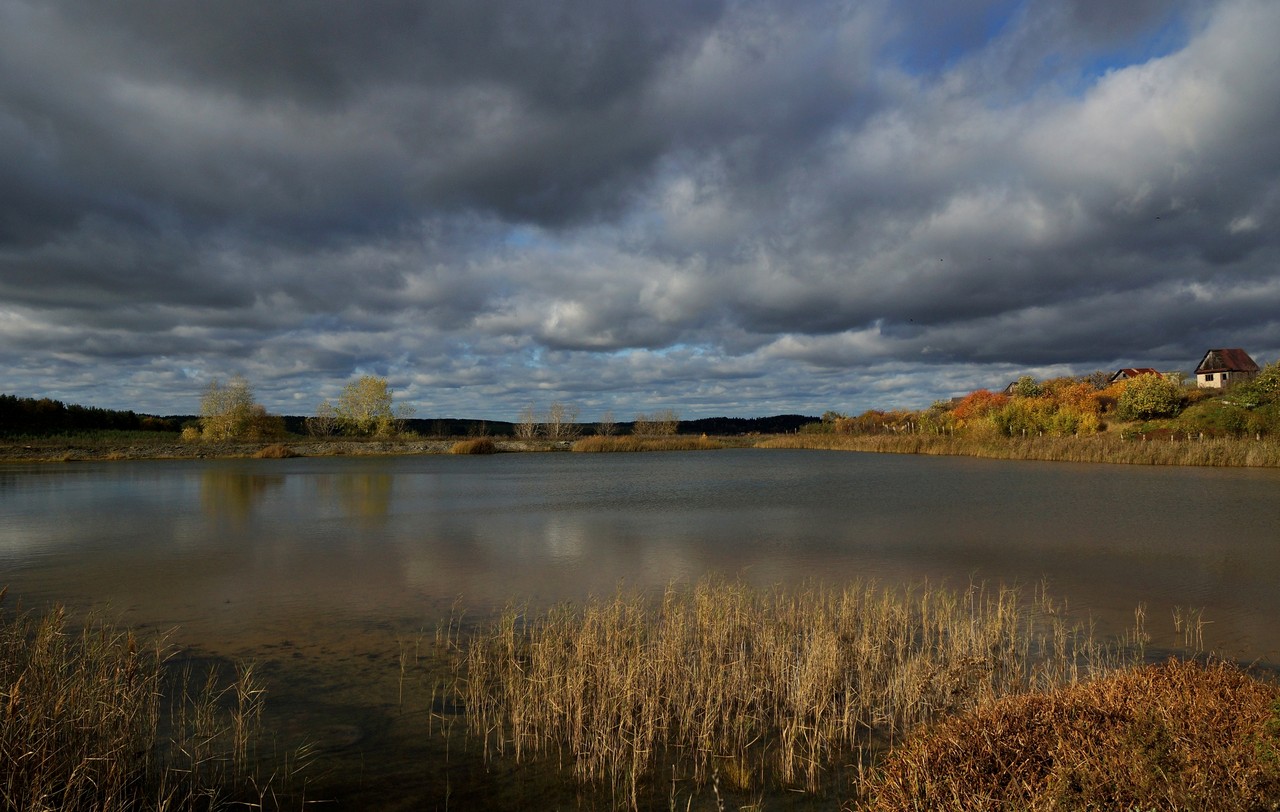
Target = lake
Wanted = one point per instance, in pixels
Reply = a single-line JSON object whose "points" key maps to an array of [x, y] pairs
{"points": [[325, 571]]}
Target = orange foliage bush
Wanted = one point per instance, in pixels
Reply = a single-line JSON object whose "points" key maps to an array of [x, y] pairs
{"points": [[979, 404], [1176, 736]]}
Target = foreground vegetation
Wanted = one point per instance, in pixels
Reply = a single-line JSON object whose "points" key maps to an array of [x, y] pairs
{"points": [[758, 691], [716, 696], [94, 720], [1176, 736]]}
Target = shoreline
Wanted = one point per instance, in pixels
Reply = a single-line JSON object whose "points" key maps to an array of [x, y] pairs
{"points": [[1103, 448], [88, 450], [1106, 448]]}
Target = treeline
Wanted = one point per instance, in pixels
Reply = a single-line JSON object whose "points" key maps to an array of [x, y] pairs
{"points": [[728, 426], [714, 426], [45, 417]]}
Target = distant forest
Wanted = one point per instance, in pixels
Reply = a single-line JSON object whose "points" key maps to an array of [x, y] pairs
{"points": [[45, 417]]}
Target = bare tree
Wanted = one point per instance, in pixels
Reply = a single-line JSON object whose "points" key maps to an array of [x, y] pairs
{"points": [[666, 422], [403, 413], [642, 425], [325, 421], [526, 427], [606, 426], [561, 422]]}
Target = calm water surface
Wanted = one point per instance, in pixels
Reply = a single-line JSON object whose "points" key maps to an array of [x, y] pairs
{"points": [[338, 561]]}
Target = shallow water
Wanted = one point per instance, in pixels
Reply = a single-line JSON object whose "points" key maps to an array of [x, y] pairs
{"points": [[325, 571]]}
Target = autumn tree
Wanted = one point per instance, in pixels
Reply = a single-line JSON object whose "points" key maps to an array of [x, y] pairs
{"points": [[229, 412], [977, 405], [1260, 390], [938, 418], [1097, 379], [1026, 387], [366, 408], [1148, 396]]}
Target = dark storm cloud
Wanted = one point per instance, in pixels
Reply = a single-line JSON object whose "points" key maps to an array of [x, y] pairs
{"points": [[722, 205], [311, 118], [562, 54]]}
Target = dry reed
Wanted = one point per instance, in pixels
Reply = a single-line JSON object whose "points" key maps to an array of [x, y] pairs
{"points": [[1171, 737], [758, 688], [1108, 448], [477, 445], [597, 444], [83, 724]]}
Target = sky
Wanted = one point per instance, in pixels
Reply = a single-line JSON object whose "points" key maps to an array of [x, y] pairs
{"points": [[721, 207]]}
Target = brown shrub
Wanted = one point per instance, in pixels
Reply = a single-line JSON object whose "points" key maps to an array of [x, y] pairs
{"points": [[1169, 737], [478, 445], [275, 451]]}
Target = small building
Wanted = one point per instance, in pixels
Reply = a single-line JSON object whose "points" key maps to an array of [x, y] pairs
{"points": [[1131, 372], [1219, 367]]}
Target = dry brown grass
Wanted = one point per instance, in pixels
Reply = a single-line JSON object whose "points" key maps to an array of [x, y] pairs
{"points": [[275, 451], [1179, 736], [478, 445], [83, 725], [597, 444], [1106, 447], [758, 688]]}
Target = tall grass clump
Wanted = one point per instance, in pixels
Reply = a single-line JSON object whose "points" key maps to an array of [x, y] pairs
{"points": [[758, 689], [1177, 736], [85, 724], [477, 445]]}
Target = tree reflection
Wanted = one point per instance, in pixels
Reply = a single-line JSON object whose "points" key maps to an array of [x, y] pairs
{"points": [[367, 495], [233, 494]]}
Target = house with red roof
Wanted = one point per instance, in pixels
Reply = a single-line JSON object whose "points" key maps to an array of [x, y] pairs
{"points": [[1220, 367], [1131, 372]]}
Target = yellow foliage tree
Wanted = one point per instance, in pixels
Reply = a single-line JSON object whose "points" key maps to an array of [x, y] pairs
{"points": [[366, 408], [229, 412]]}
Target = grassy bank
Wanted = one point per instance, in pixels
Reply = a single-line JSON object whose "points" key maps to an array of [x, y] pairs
{"points": [[753, 691], [1102, 448], [92, 719], [597, 444], [1107, 447]]}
